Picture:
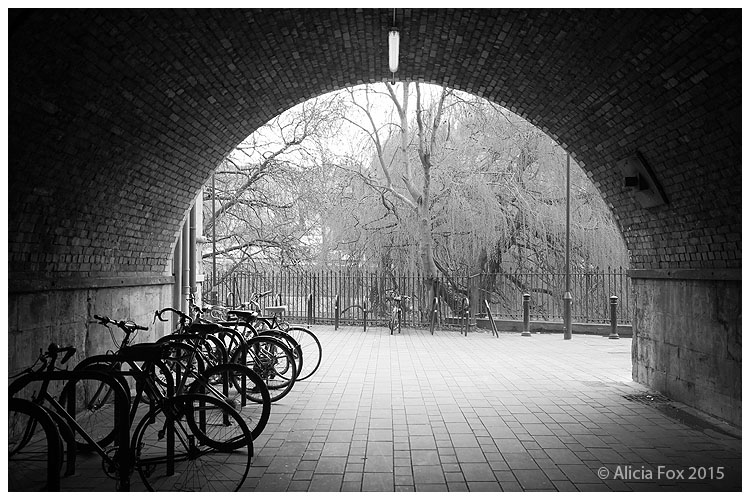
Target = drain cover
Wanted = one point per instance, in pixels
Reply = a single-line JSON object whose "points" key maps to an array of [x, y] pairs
{"points": [[648, 398], [665, 405]]}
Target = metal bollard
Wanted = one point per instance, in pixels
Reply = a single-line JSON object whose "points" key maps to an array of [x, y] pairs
{"points": [[526, 301], [568, 315], [336, 314], [613, 317]]}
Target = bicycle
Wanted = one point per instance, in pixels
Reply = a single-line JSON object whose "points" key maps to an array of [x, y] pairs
{"points": [[310, 349], [172, 441], [401, 304], [274, 355]]}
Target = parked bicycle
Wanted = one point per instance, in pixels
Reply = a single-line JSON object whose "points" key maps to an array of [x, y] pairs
{"points": [[401, 304], [251, 321]]}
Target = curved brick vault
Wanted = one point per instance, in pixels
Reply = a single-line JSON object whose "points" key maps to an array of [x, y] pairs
{"points": [[116, 118]]}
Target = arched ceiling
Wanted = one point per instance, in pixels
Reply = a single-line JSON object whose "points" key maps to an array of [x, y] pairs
{"points": [[117, 117]]}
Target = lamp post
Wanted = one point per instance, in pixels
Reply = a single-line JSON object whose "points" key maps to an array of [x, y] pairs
{"points": [[568, 297], [214, 287]]}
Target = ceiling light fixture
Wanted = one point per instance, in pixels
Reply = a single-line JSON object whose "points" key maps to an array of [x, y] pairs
{"points": [[393, 43]]}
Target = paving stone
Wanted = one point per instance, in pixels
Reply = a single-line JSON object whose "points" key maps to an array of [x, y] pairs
{"points": [[425, 457], [519, 461], [477, 486], [464, 440], [428, 474], [430, 487], [379, 463], [470, 455], [457, 486], [273, 482], [331, 465], [533, 480], [335, 449], [326, 482], [378, 481], [351, 486], [404, 488], [422, 442]]}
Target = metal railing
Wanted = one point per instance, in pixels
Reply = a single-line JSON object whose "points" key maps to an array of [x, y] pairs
{"points": [[313, 296]]}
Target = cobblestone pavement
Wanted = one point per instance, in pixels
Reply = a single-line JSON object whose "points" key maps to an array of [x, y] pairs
{"points": [[447, 412]]}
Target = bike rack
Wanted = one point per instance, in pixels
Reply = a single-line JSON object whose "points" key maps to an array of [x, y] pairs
{"points": [[51, 431], [492, 321], [121, 410], [357, 306], [130, 415]]}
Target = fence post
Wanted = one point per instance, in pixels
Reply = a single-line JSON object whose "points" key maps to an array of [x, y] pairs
{"points": [[526, 315], [613, 317], [336, 314]]}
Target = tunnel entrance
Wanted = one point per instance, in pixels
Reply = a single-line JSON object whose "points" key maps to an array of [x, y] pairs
{"points": [[117, 119]]}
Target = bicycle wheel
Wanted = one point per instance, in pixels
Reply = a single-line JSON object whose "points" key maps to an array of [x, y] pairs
{"points": [[312, 352], [242, 389], [35, 448], [272, 361], [292, 344], [190, 462]]}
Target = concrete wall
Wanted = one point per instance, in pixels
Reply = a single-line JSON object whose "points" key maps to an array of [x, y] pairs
{"points": [[687, 338], [38, 317]]}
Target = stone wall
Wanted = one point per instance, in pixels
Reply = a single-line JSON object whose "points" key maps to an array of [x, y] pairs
{"points": [[38, 317], [688, 341]]}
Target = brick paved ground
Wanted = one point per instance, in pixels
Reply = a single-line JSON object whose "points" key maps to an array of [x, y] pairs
{"points": [[417, 412]]}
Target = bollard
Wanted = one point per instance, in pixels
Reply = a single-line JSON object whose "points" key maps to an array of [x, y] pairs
{"points": [[465, 316], [336, 313], [310, 309], [364, 315], [526, 301], [567, 313], [613, 317]]}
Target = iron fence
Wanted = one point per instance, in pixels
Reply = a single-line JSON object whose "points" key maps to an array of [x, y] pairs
{"points": [[323, 296]]}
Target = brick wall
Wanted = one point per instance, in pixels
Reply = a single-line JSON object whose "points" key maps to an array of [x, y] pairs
{"points": [[117, 117]]}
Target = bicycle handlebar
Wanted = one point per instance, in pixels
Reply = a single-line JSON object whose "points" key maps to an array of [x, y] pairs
{"points": [[53, 350], [183, 317], [126, 326]]}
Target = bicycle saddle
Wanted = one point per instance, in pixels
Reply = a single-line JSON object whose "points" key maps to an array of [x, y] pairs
{"points": [[243, 314], [202, 328]]}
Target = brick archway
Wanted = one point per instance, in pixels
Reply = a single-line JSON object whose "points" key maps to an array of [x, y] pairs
{"points": [[116, 118]]}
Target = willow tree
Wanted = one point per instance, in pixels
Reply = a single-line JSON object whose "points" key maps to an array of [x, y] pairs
{"points": [[456, 185], [398, 215]]}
